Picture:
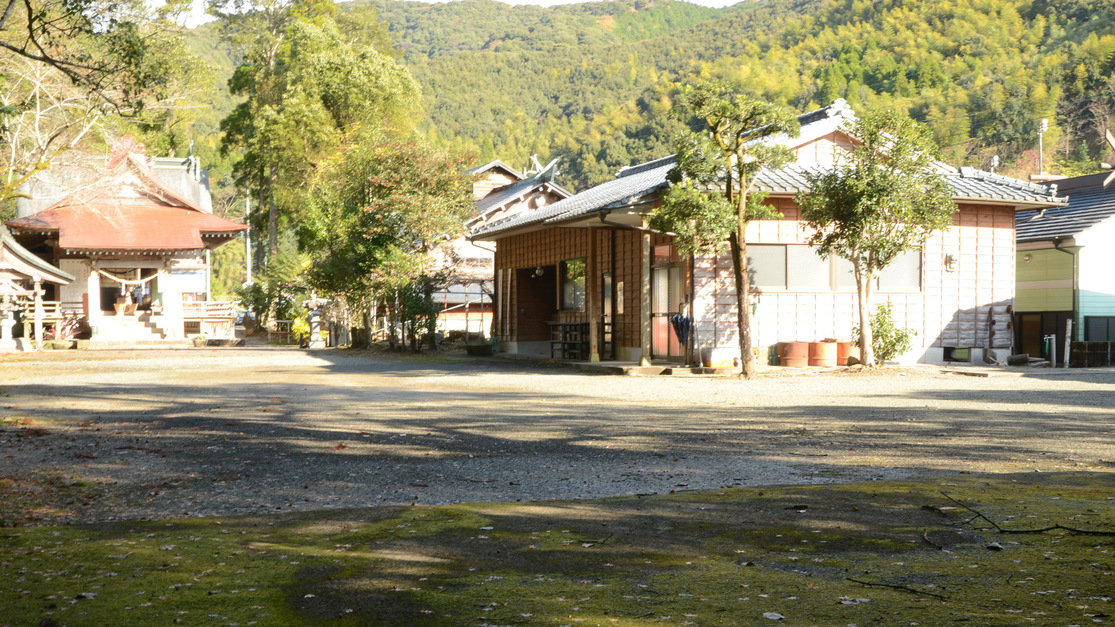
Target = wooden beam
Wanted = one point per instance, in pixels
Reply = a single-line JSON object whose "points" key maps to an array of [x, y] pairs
{"points": [[39, 315], [497, 310], [644, 299]]}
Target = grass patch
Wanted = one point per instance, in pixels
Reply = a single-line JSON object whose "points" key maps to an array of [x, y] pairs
{"points": [[872, 553]]}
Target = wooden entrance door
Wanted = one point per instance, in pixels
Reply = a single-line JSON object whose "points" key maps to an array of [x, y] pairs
{"points": [[667, 291], [535, 303]]}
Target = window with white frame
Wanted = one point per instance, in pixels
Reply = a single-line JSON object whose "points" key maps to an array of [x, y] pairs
{"points": [[798, 267]]}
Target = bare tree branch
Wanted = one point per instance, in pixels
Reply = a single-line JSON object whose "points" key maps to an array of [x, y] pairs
{"points": [[897, 587], [998, 528]]}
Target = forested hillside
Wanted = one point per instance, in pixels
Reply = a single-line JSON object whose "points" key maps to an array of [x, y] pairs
{"points": [[591, 82]]}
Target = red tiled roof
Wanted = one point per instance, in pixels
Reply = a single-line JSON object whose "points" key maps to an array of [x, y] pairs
{"points": [[129, 209], [127, 226]]}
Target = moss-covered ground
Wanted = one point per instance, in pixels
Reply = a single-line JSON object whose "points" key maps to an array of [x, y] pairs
{"points": [[879, 553]]}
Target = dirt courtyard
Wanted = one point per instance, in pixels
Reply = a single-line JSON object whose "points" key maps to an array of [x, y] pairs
{"points": [[88, 436]]}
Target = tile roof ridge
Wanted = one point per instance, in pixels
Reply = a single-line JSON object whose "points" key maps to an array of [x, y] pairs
{"points": [[643, 167], [148, 173], [969, 172], [495, 163], [838, 108]]}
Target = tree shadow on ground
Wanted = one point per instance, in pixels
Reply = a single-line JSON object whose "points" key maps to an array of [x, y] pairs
{"points": [[327, 429]]}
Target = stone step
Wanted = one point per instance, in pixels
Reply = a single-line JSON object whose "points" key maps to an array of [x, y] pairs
{"points": [[131, 344], [129, 328]]}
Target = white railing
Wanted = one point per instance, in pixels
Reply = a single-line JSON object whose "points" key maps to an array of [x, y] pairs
{"points": [[52, 310], [207, 309]]}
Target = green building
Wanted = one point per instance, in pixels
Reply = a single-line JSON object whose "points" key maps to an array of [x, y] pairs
{"points": [[1065, 270]]}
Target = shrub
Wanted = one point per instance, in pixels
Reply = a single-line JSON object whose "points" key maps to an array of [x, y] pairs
{"points": [[887, 340]]}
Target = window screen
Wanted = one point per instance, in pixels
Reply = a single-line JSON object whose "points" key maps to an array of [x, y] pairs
{"points": [[766, 265], [845, 273], [660, 290], [904, 273], [806, 269]]}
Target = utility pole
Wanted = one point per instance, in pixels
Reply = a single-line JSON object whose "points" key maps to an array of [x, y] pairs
{"points": [[1041, 156]]}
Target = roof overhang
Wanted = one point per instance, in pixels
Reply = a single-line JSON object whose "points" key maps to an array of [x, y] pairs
{"points": [[1017, 205], [1047, 243], [623, 218], [129, 227], [14, 257]]}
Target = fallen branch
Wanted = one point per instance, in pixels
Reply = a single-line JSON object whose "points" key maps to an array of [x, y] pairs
{"points": [[979, 514], [591, 541], [897, 587], [925, 536]]}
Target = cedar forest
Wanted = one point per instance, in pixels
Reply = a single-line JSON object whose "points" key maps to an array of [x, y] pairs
{"points": [[593, 83]]}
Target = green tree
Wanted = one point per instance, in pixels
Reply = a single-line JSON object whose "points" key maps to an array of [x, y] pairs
{"points": [[734, 143], [887, 198], [376, 215], [308, 90]]}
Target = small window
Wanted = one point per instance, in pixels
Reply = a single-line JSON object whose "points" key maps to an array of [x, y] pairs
{"points": [[665, 254], [1099, 329], [904, 273], [573, 285], [766, 265]]}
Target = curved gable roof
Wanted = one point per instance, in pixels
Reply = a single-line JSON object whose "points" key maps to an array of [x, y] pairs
{"points": [[23, 261]]}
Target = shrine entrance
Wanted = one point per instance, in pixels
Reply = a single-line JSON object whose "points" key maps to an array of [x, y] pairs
{"points": [[128, 291]]}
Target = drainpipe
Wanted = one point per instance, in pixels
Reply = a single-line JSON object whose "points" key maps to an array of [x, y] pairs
{"points": [[1057, 241]]}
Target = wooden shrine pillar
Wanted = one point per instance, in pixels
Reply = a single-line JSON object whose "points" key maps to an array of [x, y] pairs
{"points": [[92, 302], [39, 313], [592, 299], [173, 309]]}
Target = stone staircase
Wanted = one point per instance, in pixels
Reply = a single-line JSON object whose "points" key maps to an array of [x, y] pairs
{"points": [[135, 331]]}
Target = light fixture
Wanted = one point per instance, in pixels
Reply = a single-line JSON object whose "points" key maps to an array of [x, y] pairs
{"points": [[538, 271], [950, 263], [1027, 258]]}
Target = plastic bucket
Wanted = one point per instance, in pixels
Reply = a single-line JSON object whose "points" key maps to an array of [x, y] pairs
{"points": [[793, 354], [822, 354]]}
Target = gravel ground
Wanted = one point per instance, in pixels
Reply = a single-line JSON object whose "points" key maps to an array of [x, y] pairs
{"points": [[157, 434]]}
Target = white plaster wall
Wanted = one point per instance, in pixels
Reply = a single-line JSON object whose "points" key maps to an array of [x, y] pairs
{"points": [[192, 280], [71, 294]]}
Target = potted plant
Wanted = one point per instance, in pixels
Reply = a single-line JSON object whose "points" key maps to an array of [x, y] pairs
{"points": [[200, 340]]}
